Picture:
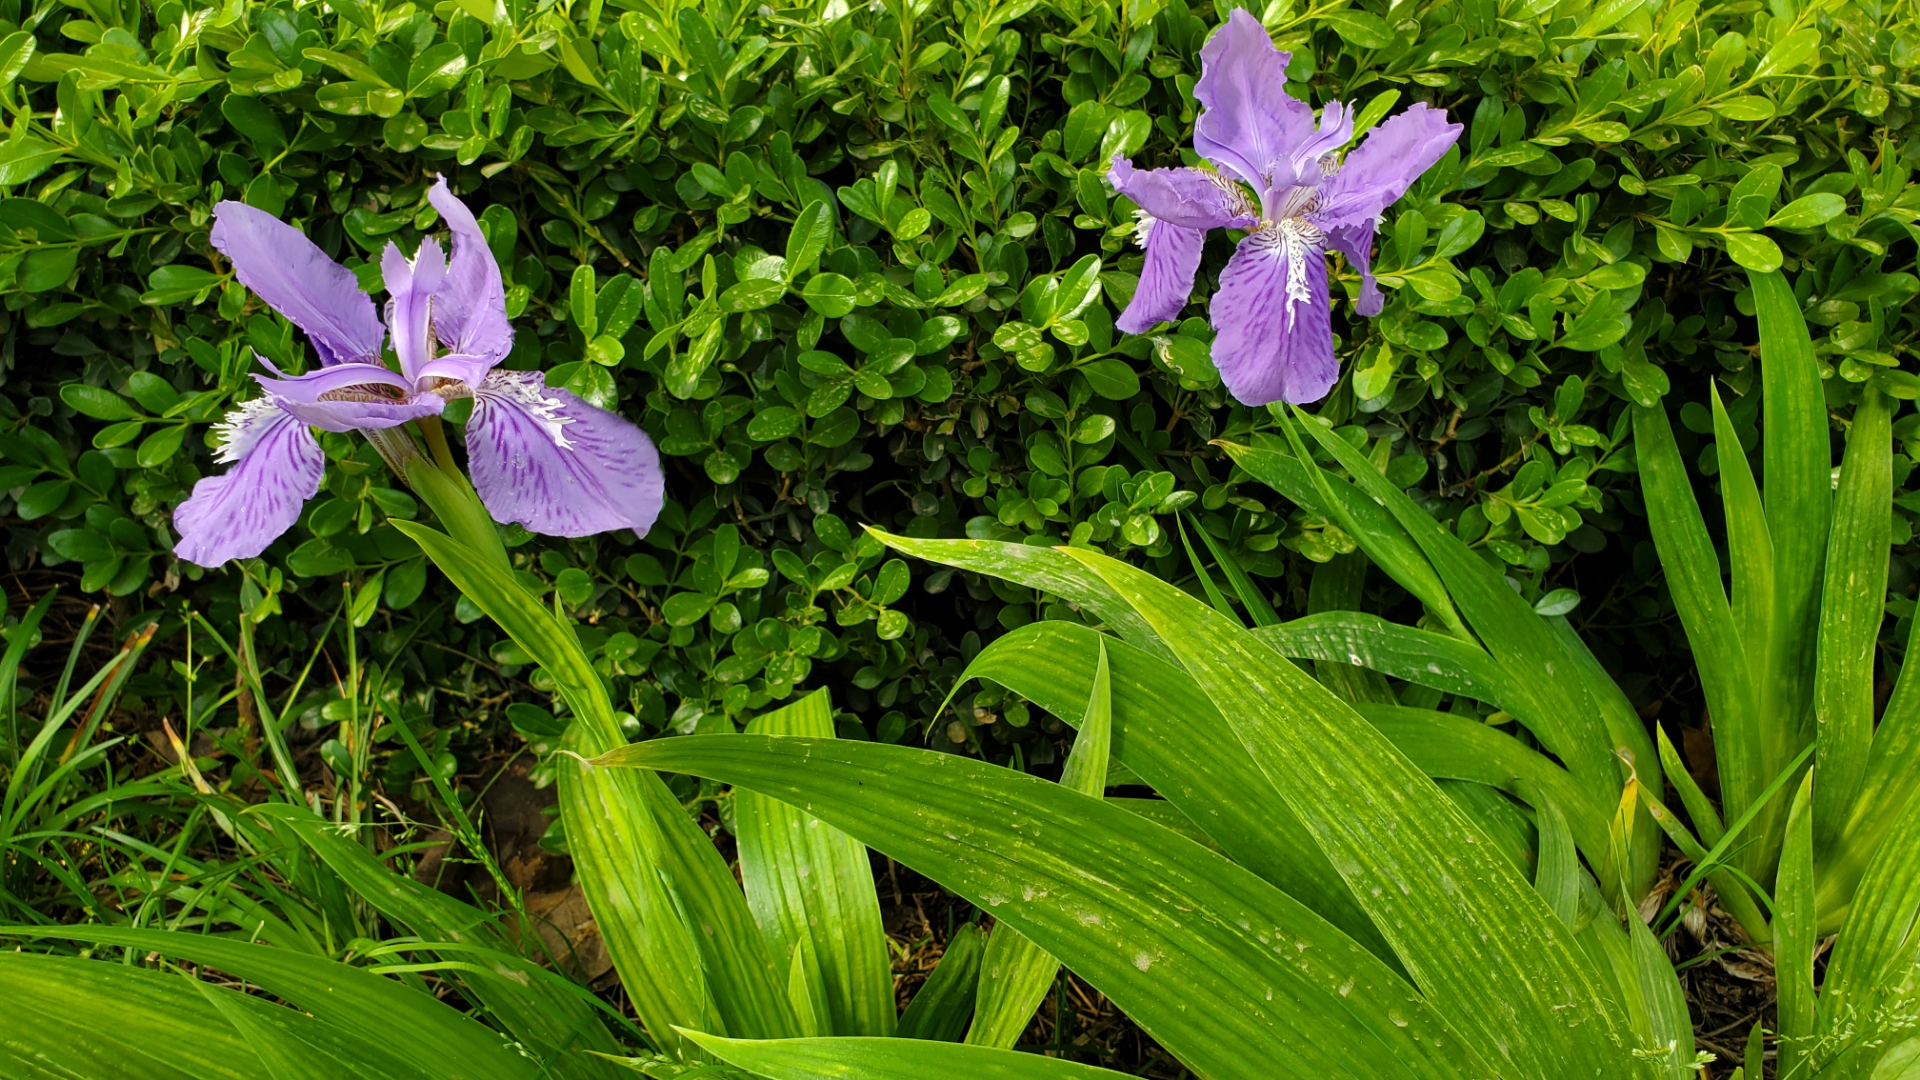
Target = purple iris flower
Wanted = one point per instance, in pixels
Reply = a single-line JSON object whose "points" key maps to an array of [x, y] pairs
{"points": [[1273, 336], [539, 455]]}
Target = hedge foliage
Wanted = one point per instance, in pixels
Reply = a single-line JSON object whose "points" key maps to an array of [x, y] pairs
{"points": [[853, 264]]}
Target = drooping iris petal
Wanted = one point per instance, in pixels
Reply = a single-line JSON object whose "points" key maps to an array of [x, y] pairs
{"points": [[1166, 280], [296, 279], [1189, 198], [276, 467], [410, 288], [470, 312], [1274, 337], [544, 458], [1356, 243], [1384, 166], [1247, 121], [349, 397]]}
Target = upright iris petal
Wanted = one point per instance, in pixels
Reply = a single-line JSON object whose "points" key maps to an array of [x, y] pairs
{"points": [[1274, 333], [539, 456]]}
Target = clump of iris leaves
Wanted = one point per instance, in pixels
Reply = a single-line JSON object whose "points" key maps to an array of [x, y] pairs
{"points": [[946, 368]]}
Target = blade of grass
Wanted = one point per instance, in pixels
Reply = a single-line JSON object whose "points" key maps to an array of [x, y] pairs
{"points": [[1214, 595], [1258, 609]]}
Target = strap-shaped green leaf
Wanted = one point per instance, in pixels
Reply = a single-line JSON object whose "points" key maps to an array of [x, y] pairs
{"points": [[1371, 526], [361, 1004], [940, 1008], [1852, 601], [1795, 937], [1016, 974], [1338, 586], [720, 976], [1798, 467], [1886, 791], [1749, 542], [1694, 580], [1188, 944], [1568, 723], [555, 1025], [807, 880], [1457, 748], [1171, 736], [891, 1059], [1477, 939], [1440, 661], [294, 1046], [161, 1028], [1865, 998]]}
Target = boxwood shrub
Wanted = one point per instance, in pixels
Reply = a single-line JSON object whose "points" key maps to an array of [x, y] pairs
{"points": [[857, 264]]}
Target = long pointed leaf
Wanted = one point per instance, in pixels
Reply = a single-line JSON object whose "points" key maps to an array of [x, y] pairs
{"points": [[1865, 999], [1694, 580], [555, 1025], [891, 1059], [1016, 973], [1477, 939], [1798, 458], [1886, 791], [1851, 602], [940, 1008], [160, 1027], [1749, 543], [1187, 943], [1456, 748], [1440, 661], [807, 880], [440, 1040], [1384, 540], [1794, 936], [1568, 723], [1172, 736], [723, 975]]}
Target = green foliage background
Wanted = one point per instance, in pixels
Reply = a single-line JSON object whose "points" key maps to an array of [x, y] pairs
{"points": [[854, 264]]}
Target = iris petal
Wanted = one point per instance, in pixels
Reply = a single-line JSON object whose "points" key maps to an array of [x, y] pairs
{"points": [[1190, 198], [1248, 122], [1166, 280], [298, 280], [350, 397], [410, 287], [276, 467], [1384, 166], [1274, 339], [544, 458], [1356, 243], [470, 311]]}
